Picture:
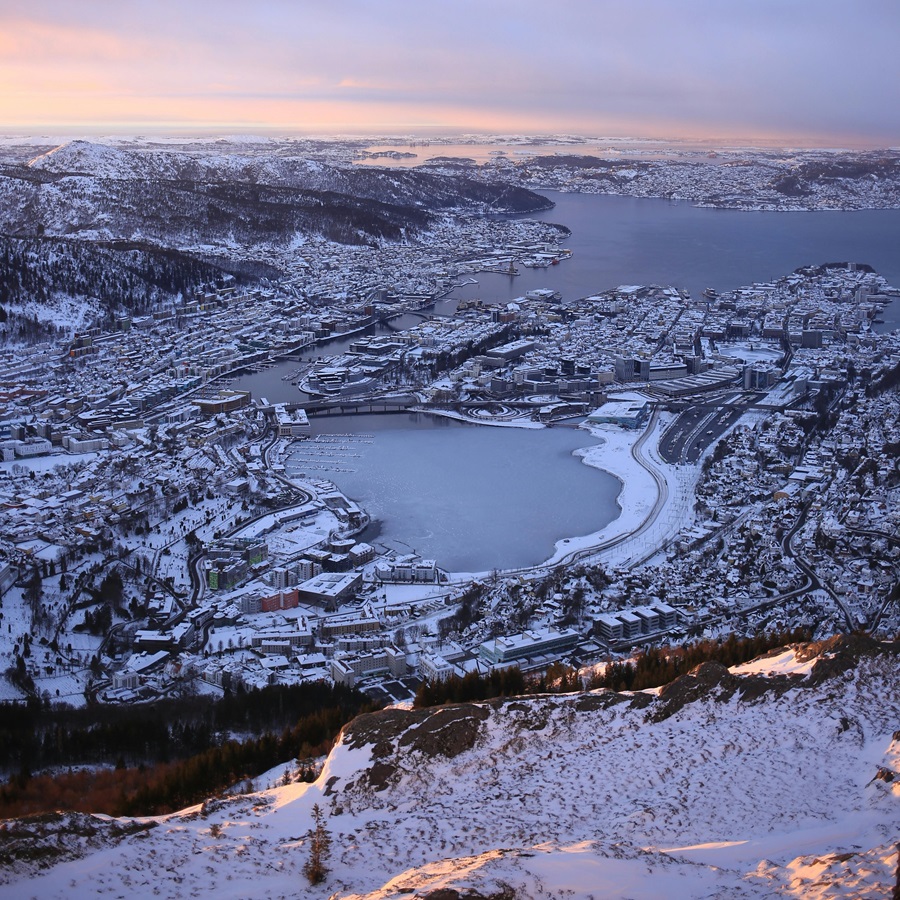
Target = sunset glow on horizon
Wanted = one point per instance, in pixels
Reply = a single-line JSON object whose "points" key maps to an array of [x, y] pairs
{"points": [[768, 71]]}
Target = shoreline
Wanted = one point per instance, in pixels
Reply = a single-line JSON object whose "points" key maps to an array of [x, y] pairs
{"points": [[654, 501], [638, 496], [645, 511]]}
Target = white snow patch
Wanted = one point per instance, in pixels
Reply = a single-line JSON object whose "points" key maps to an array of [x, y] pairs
{"points": [[785, 663]]}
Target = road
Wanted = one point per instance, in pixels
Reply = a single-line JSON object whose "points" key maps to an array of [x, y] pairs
{"points": [[594, 553], [815, 583], [195, 562], [698, 428]]}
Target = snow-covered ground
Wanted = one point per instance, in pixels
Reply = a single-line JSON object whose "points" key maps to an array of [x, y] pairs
{"points": [[653, 509], [48, 463], [752, 790], [291, 538], [785, 663]]}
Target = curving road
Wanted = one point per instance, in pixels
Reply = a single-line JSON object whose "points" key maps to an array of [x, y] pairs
{"points": [[815, 583], [591, 553]]}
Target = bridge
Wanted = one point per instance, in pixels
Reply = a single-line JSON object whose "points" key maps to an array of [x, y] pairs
{"points": [[341, 406], [354, 405], [367, 403]]}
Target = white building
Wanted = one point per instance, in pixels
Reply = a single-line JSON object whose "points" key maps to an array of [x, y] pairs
{"points": [[628, 410], [528, 644], [291, 424], [345, 669], [32, 447]]}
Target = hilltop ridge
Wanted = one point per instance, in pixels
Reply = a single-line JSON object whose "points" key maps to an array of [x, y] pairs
{"points": [[777, 778]]}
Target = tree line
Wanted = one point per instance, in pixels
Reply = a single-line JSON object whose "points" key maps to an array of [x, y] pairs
{"points": [[652, 667], [123, 277], [127, 276], [168, 786], [657, 666], [167, 756], [179, 752]]}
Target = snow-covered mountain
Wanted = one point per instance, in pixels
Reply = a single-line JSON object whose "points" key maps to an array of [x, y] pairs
{"points": [[778, 779], [54, 286], [403, 187], [82, 205], [177, 199]]}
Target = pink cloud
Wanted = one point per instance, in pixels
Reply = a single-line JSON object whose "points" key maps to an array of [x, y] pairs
{"points": [[693, 67]]}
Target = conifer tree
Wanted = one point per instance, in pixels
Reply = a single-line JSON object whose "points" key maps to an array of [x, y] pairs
{"points": [[319, 848]]}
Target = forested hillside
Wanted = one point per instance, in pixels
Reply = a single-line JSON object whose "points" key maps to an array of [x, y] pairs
{"points": [[44, 278]]}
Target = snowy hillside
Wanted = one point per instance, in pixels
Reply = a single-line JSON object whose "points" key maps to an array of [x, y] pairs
{"points": [[55, 286], [182, 214], [400, 187], [251, 213], [780, 781], [234, 205], [102, 161]]}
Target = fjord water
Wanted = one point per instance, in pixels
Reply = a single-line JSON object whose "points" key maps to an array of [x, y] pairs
{"points": [[477, 497], [473, 497], [629, 240]]}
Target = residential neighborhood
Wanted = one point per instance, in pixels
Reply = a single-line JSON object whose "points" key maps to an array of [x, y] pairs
{"points": [[155, 542]]}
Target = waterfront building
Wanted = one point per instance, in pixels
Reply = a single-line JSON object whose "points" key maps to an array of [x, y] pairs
{"points": [[225, 401], [628, 410], [291, 423]]}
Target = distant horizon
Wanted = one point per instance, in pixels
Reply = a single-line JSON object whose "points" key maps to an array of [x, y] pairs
{"points": [[811, 73], [436, 136]]}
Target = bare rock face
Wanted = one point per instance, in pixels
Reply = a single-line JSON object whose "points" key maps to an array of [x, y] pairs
{"points": [[842, 653], [444, 731], [382, 728], [506, 893], [447, 732], [396, 734], [833, 658], [709, 678], [44, 840]]}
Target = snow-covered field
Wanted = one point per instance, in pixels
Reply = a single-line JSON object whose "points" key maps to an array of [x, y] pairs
{"points": [[721, 786]]}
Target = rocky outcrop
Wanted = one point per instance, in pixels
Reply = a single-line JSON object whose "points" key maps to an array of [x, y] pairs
{"points": [[37, 842], [400, 741], [842, 653], [547, 795]]}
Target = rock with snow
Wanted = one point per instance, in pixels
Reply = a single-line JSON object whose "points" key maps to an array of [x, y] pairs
{"points": [[781, 782]]}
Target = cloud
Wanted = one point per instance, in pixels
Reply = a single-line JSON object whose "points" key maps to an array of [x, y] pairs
{"points": [[803, 67]]}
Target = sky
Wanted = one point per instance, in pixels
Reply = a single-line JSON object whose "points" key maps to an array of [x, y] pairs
{"points": [[818, 72]]}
